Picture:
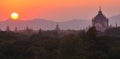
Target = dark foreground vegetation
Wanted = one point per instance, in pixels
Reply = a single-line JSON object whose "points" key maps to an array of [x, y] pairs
{"points": [[49, 45]]}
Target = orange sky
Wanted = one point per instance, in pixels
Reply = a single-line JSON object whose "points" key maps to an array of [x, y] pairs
{"points": [[58, 10]]}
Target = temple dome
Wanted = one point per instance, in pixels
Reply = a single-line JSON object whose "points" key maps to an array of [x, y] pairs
{"points": [[100, 22], [100, 16]]}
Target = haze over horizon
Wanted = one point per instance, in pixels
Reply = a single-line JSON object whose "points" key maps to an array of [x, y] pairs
{"points": [[58, 10]]}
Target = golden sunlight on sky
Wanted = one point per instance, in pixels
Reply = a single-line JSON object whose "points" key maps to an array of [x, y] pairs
{"points": [[57, 10]]}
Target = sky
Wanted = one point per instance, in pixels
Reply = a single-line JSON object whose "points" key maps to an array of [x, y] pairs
{"points": [[58, 10]]}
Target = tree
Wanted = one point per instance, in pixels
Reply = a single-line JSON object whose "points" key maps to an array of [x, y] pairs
{"points": [[91, 33]]}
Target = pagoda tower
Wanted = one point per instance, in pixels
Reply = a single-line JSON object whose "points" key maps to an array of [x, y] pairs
{"points": [[100, 22]]}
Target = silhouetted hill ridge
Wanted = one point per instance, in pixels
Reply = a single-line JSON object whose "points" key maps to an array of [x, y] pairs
{"points": [[45, 24]]}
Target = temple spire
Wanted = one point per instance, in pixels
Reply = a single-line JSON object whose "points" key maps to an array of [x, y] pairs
{"points": [[57, 28], [100, 11], [99, 8], [8, 28], [16, 29]]}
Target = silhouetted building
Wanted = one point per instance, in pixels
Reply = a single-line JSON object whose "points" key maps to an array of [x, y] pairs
{"points": [[116, 25], [100, 22], [0, 30], [40, 30], [57, 28], [8, 28], [16, 29], [29, 30]]}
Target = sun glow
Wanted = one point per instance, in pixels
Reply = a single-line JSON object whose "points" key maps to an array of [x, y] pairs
{"points": [[14, 16]]}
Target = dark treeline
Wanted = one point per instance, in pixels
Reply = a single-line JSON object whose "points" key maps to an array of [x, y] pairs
{"points": [[51, 45]]}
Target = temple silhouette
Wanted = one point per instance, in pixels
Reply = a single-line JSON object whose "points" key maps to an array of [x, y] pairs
{"points": [[100, 22]]}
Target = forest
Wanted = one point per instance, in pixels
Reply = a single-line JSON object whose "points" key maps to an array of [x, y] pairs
{"points": [[51, 45]]}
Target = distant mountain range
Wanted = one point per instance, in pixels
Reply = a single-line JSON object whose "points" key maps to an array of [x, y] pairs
{"points": [[36, 24], [45, 24], [115, 20]]}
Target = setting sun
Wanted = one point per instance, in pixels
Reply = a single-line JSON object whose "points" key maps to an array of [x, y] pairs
{"points": [[14, 16]]}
